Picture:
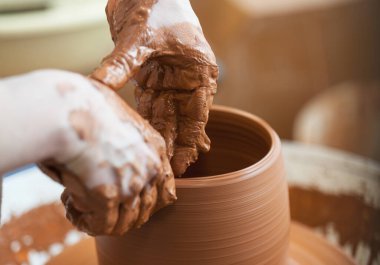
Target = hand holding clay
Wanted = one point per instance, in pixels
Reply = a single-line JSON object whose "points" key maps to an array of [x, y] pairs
{"points": [[112, 163], [160, 44]]}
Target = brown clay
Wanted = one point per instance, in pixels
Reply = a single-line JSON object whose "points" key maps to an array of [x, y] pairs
{"points": [[232, 207], [161, 46]]}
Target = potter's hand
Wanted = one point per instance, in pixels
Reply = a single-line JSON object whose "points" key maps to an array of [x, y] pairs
{"points": [[111, 162], [161, 46]]}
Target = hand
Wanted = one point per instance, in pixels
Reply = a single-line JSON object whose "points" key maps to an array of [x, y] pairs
{"points": [[160, 44], [112, 162]]}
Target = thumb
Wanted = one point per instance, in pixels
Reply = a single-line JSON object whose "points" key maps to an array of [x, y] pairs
{"points": [[117, 68]]}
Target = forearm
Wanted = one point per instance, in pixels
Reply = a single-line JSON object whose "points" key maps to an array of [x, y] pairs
{"points": [[33, 121], [26, 135]]}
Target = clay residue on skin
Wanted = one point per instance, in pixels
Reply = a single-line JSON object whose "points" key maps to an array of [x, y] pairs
{"points": [[354, 220], [83, 124], [174, 70], [166, 190], [122, 175], [64, 88]]}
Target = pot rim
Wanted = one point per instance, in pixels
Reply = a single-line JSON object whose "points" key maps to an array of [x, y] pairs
{"points": [[239, 175]]}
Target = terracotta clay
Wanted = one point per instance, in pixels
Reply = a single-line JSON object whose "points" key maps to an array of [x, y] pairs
{"points": [[161, 46], [232, 206]]}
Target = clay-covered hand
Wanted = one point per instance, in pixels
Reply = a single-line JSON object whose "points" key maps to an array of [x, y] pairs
{"points": [[112, 163], [160, 45]]}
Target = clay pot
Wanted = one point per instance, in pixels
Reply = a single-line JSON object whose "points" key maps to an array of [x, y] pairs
{"points": [[232, 205]]}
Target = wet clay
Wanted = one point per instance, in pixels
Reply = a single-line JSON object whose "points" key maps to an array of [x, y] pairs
{"points": [[121, 176], [161, 46], [232, 207]]}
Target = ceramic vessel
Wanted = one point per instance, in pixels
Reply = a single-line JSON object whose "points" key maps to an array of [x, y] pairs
{"points": [[232, 205]]}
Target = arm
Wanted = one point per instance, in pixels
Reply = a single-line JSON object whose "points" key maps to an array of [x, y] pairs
{"points": [[31, 129], [33, 124], [110, 161]]}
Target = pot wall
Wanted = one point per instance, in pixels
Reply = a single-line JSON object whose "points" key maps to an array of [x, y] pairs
{"points": [[232, 206]]}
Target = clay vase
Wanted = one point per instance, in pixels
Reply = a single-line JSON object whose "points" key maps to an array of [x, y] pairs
{"points": [[232, 204]]}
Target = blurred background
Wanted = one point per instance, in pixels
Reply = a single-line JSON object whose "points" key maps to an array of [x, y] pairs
{"points": [[301, 65], [311, 68]]}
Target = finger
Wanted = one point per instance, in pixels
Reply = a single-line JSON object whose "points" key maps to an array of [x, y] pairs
{"points": [[105, 201], [148, 201], [164, 119], [191, 133], [128, 214], [130, 208], [182, 158], [150, 75], [166, 192], [95, 213], [192, 138], [194, 112], [75, 216], [130, 205], [184, 77], [114, 71], [195, 105], [144, 101], [125, 60], [171, 72]]}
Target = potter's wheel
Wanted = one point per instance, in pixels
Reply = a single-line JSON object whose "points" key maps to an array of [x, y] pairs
{"points": [[306, 248]]}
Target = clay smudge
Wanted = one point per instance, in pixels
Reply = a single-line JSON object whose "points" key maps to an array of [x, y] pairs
{"points": [[83, 123], [64, 88], [173, 67]]}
